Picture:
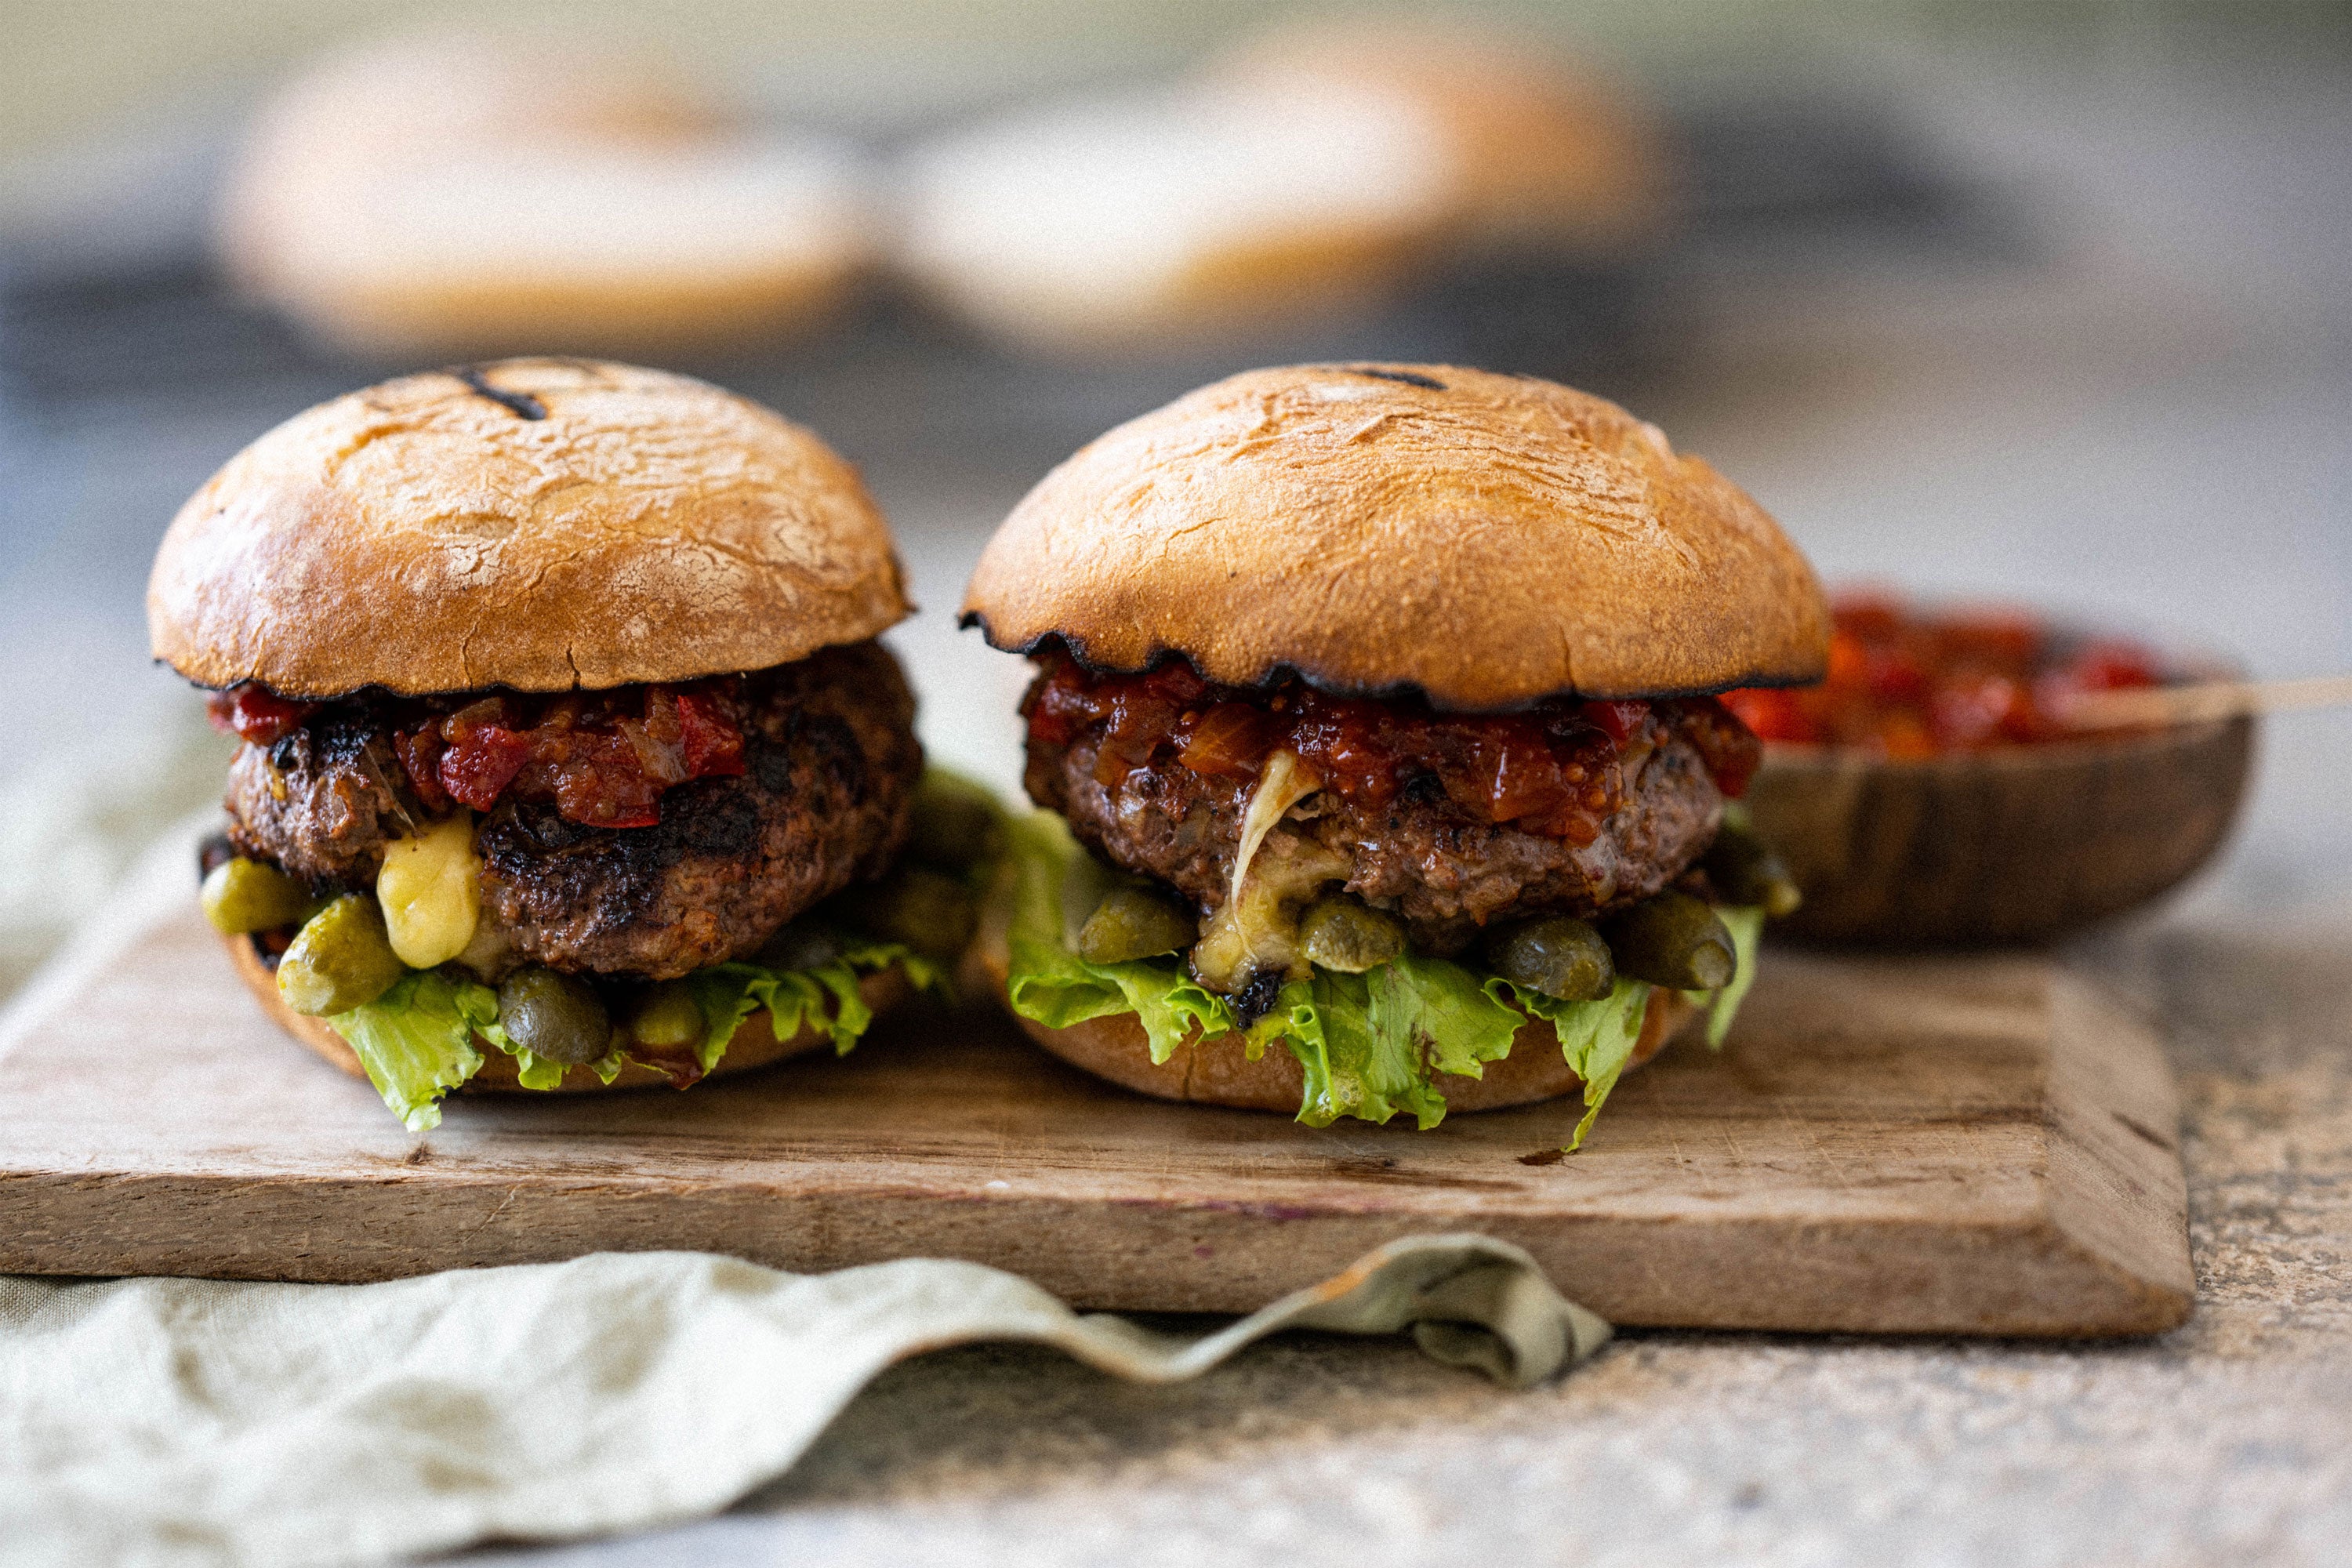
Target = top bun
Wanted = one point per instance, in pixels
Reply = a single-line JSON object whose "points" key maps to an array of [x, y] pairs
{"points": [[541, 524], [1489, 540]]}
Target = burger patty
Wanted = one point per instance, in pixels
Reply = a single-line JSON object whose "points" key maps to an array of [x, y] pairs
{"points": [[829, 759], [1420, 856]]}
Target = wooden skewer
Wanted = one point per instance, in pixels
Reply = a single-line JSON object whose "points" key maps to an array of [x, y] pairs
{"points": [[2201, 700]]}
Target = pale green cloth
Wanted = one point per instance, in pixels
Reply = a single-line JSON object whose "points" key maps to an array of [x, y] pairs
{"points": [[188, 1421]]}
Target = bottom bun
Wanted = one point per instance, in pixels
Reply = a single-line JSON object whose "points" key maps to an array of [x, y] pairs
{"points": [[753, 1044], [1219, 1072]]}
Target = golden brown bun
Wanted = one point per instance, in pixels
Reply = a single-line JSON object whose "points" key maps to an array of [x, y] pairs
{"points": [[422, 535], [1488, 539], [1219, 1072], [753, 1044], [455, 195], [1548, 154]]}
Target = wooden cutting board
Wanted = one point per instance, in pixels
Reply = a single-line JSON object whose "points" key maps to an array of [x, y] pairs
{"points": [[1979, 1146]]}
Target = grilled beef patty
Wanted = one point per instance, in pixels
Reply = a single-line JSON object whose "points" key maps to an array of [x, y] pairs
{"points": [[830, 763], [1421, 856]]}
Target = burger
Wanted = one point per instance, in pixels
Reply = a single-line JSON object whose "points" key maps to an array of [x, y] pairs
{"points": [[1375, 733], [569, 758]]}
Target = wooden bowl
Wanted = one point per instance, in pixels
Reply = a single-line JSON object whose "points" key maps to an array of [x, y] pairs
{"points": [[2019, 845]]}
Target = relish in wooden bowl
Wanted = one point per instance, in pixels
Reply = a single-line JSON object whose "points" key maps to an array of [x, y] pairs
{"points": [[1930, 794]]}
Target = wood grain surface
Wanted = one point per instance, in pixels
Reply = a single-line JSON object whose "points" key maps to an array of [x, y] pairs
{"points": [[1979, 1146]]}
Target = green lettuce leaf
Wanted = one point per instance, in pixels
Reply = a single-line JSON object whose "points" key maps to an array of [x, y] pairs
{"points": [[1596, 1037], [1745, 924], [416, 1043], [1445, 1007], [1053, 986], [1368, 1045], [1356, 1063], [825, 995]]}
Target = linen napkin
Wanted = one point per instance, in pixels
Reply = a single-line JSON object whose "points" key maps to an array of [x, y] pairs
{"points": [[200, 1422]]}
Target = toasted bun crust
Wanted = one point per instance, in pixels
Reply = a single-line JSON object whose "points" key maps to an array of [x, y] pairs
{"points": [[1490, 539], [753, 1044], [1219, 1072], [433, 534]]}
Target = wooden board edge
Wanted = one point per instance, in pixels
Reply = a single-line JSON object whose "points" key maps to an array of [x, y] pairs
{"points": [[2000, 1277], [2117, 1188]]}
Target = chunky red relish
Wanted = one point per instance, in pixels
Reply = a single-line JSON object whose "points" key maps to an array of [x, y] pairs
{"points": [[1909, 685], [603, 758], [1554, 768]]}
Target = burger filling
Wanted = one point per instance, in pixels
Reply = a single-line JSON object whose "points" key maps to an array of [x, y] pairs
{"points": [[619, 874], [1430, 876]]}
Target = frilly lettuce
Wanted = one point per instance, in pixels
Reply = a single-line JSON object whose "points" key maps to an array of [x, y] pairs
{"points": [[1597, 1037], [825, 995], [1370, 1043], [417, 1041]]}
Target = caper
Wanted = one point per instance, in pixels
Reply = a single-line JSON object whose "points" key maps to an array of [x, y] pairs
{"points": [[1343, 934], [341, 958], [929, 911], [1747, 871], [554, 1015], [1135, 922], [955, 822], [1672, 939], [1557, 956], [665, 1016], [241, 896]]}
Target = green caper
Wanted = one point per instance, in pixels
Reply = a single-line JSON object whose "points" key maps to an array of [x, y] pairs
{"points": [[955, 822], [1344, 933], [554, 1015], [1672, 939], [1747, 871], [1135, 922], [1557, 956], [241, 896], [341, 958], [665, 1016], [929, 911]]}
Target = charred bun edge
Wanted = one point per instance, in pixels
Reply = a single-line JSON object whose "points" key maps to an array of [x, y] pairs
{"points": [[753, 1044], [1284, 671]]}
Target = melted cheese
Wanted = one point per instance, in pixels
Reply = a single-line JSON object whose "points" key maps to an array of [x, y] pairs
{"points": [[1257, 926], [1285, 781], [431, 892]]}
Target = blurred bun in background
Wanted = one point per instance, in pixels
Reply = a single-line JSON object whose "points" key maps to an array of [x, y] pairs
{"points": [[1545, 153], [462, 194], [1207, 210], [1309, 174]]}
